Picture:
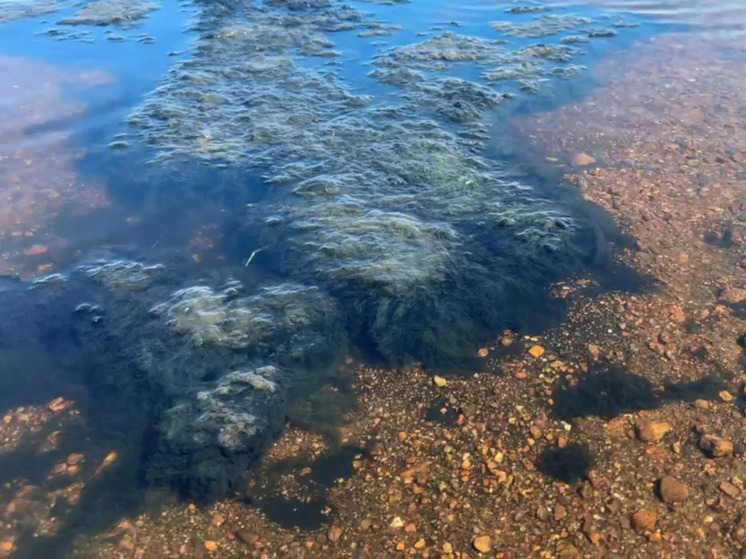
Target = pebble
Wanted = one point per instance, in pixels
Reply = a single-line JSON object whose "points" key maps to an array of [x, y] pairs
{"points": [[334, 533], [59, 404], [725, 396], [560, 512], [247, 537], [672, 490], [729, 489], [397, 523], [74, 458], [702, 404], [439, 381], [483, 544], [716, 447], [582, 159], [644, 520], [536, 351], [483, 352], [651, 431], [35, 250], [211, 545]]}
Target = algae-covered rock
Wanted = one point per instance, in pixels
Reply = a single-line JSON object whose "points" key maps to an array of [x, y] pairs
{"points": [[208, 440], [202, 372]]}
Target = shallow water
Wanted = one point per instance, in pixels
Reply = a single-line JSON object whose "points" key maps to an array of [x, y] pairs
{"points": [[237, 197]]}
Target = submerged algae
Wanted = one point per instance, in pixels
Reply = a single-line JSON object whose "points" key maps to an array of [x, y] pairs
{"points": [[388, 203], [122, 274], [122, 13], [541, 26], [207, 410], [11, 10]]}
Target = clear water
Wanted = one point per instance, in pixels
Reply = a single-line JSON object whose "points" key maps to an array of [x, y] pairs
{"points": [[284, 218]]}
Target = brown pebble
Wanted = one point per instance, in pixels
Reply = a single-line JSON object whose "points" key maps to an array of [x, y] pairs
{"points": [[651, 431], [560, 512], [483, 544], [35, 250], [569, 552], [644, 520], [74, 458], [672, 490], [702, 404], [536, 351], [247, 537], [419, 544], [334, 533], [716, 447], [59, 404], [725, 396], [729, 489], [218, 519], [211, 545]]}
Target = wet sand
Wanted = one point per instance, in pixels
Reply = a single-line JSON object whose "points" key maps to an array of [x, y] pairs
{"points": [[618, 433]]}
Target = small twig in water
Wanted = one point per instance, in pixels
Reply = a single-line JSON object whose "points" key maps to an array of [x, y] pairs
{"points": [[253, 254], [158, 240]]}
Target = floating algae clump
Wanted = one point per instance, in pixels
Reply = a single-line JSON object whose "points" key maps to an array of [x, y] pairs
{"points": [[387, 203], [123, 13]]}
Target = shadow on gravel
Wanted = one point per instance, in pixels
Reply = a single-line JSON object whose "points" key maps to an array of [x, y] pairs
{"points": [[610, 392], [307, 507], [570, 464]]}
